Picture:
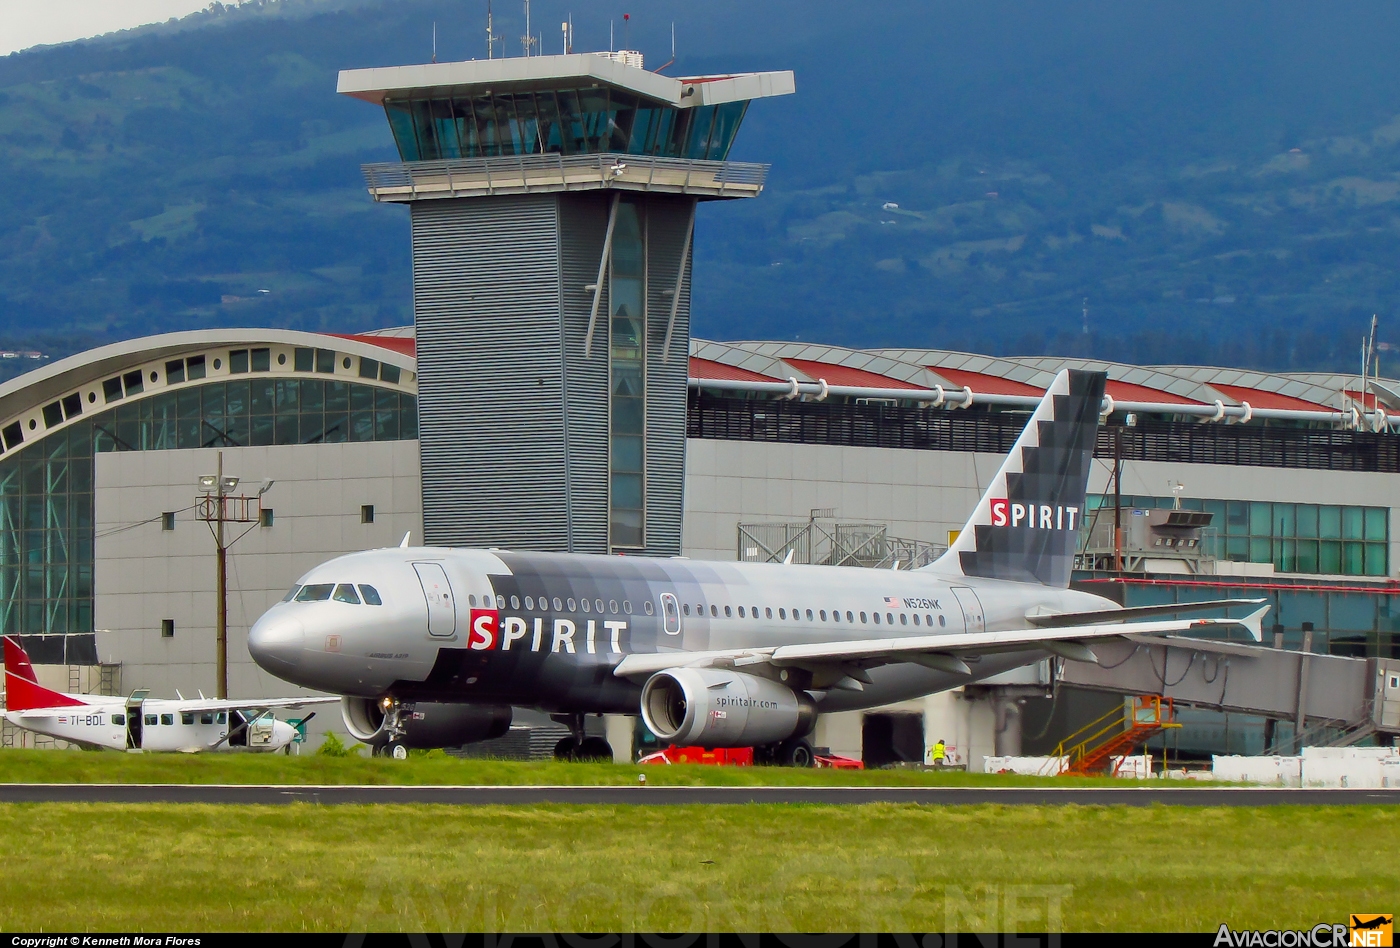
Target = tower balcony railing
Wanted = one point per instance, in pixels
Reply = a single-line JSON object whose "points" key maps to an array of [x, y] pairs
{"points": [[528, 174]]}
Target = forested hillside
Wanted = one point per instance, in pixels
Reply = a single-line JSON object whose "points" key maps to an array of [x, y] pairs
{"points": [[1220, 181]]}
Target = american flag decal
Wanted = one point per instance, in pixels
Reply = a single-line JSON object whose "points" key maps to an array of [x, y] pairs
{"points": [[892, 602]]}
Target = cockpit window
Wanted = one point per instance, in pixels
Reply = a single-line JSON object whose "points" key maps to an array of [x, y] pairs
{"points": [[291, 594], [371, 595], [346, 593], [315, 592]]}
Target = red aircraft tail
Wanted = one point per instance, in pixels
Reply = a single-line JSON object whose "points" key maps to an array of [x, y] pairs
{"points": [[22, 689]]}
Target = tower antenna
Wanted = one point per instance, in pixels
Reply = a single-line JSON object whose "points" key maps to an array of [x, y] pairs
{"points": [[435, 41], [626, 30], [491, 36], [673, 49], [1086, 315], [528, 40]]}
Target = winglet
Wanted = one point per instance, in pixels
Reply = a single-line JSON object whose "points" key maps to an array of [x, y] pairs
{"points": [[403, 544], [787, 560], [1254, 623]]}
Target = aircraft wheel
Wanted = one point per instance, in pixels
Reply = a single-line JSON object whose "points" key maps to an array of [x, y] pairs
{"points": [[594, 750], [396, 751], [796, 753], [565, 750]]}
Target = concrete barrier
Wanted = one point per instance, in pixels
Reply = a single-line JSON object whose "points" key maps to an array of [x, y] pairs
{"points": [[1031, 766], [1335, 767], [1270, 771]]}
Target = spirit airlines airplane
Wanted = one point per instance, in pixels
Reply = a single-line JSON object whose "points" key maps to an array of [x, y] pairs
{"points": [[141, 723], [432, 647]]}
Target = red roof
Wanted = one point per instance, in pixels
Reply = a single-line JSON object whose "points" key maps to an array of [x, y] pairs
{"points": [[1262, 399], [705, 369], [1128, 392], [843, 375], [404, 345], [1371, 403], [990, 384]]}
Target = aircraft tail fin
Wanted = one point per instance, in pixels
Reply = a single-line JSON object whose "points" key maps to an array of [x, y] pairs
{"points": [[1026, 526], [22, 688]]}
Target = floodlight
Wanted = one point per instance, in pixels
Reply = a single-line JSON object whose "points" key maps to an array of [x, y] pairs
{"points": [[228, 483], [208, 481]]}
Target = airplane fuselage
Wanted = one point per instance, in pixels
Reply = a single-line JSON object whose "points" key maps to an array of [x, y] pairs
{"points": [[155, 724], [546, 629]]}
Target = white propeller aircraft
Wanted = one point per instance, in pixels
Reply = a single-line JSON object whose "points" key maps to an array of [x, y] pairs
{"points": [[142, 723]]}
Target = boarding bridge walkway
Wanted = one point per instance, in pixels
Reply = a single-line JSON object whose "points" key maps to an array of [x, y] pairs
{"points": [[1358, 697]]}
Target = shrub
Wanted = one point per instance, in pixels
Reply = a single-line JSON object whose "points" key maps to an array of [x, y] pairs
{"points": [[332, 747]]}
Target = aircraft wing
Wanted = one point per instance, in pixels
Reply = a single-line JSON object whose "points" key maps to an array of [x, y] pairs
{"points": [[861, 653], [1053, 620], [249, 704]]}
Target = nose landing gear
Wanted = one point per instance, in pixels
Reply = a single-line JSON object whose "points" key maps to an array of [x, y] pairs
{"points": [[579, 747], [396, 712]]}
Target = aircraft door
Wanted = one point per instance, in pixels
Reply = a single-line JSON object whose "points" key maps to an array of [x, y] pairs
{"points": [[670, 614], [442, 611], [973, 618], [134, 705], [133, 726]]}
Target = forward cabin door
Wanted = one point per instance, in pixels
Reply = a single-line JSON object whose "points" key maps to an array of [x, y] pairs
{"points": [[442, 611], [973, 618]]}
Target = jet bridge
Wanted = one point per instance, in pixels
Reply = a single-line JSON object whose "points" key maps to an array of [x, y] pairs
{"points": [[1358, 697]]}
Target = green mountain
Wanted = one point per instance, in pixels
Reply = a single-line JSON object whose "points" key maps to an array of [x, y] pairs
{"points": [[1219, 180]]}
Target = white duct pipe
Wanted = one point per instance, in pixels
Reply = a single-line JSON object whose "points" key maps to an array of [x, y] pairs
{"points": [[937, 397]]}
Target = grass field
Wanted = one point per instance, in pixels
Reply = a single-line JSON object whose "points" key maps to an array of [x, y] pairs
{"points": [[46, 766], [71, 868]]}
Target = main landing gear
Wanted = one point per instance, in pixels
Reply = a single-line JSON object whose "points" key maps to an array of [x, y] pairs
{"points": [[578, 747], [794, 752]]}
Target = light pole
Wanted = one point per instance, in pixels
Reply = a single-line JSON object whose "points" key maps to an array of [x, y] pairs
{"points": [[217, 506]]}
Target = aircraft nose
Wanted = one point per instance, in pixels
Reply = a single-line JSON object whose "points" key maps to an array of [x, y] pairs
{"points": [[275, 642]]}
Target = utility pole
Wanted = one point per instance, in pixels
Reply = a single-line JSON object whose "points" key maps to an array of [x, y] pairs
{"points": [[1118, 498], [213, 507]]}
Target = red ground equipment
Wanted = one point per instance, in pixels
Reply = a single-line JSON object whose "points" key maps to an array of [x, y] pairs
{"points": [[733, 756]]}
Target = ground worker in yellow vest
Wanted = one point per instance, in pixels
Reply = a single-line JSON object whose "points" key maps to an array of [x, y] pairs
{"points": [[940, 751]]}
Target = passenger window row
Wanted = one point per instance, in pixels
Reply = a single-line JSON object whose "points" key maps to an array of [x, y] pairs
{"points": [[342, 592], [206, 717], [818, 615], [543, 604], [345, 592]]}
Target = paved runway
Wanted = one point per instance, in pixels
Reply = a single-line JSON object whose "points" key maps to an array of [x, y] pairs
{"points": [[468, 796]]}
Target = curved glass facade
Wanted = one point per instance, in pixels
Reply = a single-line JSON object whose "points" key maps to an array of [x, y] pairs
{"points": [[46, 488], [559, 121]]}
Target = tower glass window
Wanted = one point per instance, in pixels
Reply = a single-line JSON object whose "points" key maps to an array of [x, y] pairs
{"points": [[627, 331], [559, 121]]}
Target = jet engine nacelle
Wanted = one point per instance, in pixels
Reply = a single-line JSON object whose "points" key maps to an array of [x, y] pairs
{"points": [[711, 707], [430, 725]]}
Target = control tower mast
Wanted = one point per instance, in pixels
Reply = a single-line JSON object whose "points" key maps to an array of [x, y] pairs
{"points": [[553, 204]]}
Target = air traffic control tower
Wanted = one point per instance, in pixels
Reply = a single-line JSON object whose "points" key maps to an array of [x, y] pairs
{"points": [[553, 204]]}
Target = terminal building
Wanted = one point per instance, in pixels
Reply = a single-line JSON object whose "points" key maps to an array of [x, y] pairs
{"points": [[550, 396]]}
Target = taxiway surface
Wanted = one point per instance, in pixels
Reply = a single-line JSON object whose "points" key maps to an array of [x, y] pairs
{"points": [[469, 796]]}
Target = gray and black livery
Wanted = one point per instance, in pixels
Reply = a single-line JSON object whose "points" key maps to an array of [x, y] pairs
{"points": [[710, 653]]}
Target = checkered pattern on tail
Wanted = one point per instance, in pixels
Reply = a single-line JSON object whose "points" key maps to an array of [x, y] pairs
{"points": [[1026, 526]]}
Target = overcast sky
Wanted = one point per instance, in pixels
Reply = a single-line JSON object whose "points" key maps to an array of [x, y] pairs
{"points": [[25, 23]]}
